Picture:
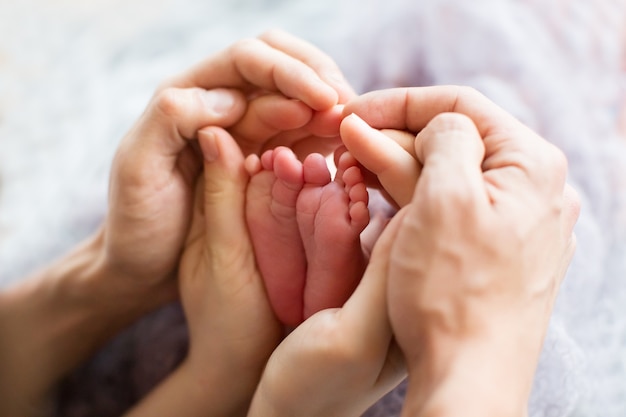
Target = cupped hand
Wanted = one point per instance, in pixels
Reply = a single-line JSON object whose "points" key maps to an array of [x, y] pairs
{"points": [[232, 327], [157, 164], [339, 361], [485, 240]]}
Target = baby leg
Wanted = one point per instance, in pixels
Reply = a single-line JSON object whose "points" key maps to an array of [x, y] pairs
{"points": [[276, 182], [331, 216]]}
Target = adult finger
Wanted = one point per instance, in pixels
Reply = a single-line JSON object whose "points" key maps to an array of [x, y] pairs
{"points": [[225, 181], [365, 312], [273, 120], [236, 286], [265, 117], [508, 143], [175, 115], [413, 108], [396, 169], [404, 139], [323, 64], [320, 134], [254, 63], [365, 315], [451, 151]]}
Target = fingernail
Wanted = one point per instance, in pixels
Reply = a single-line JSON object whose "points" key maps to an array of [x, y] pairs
{"points": [[208, 144], [221, 101]]}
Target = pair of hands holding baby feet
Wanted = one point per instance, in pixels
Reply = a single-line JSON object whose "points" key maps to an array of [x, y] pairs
{"points": [[208, 202], [208, 186], [275, 97]]}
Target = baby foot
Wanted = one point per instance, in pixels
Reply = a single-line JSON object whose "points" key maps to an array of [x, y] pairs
{"points": [[331, 217], [305, 230], [276, 181]]}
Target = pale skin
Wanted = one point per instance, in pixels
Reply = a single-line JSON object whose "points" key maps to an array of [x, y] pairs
{"points": [[317, 343], [349, 353], [344, 345], [129, 267], [232, 326], [306, 229], [468, 350], [94, 291], [485, 240], [231, 323]]}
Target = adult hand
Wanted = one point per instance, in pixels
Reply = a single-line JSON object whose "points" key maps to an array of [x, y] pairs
{"points": [[156, 166], [485, 241], [232, 328], [232, 325], [125, 269]]}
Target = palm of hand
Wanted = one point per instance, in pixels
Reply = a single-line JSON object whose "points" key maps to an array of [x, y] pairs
{"points": [[149, 217]]}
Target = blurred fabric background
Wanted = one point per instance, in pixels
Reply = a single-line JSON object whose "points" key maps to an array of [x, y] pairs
{"points": [[75, 75]]}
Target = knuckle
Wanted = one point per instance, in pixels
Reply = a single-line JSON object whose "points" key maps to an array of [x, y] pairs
{"points": [[572, 199], [164, 84], [571, 207], [559, 160], [526, 158], [572, 244], [169, 102], [547, 164], [243, 47], [453, 128], [272, 33], [467, 93], [463, 95], [452, 121], [332, 341]]}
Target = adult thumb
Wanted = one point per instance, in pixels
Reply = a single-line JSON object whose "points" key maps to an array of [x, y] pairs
{"points": [[225, 182], [451, 151]]}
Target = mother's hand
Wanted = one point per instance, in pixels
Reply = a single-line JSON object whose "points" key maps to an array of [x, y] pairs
{"points": [[157, 164]]}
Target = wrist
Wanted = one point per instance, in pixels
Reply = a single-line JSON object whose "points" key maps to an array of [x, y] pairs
{"points": [[40, 317], [483, 377], [214, 382], [193, 394], [133, 292], [55, 319]]}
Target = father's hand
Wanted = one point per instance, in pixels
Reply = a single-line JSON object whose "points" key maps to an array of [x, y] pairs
{"points": [[486, 239]]}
